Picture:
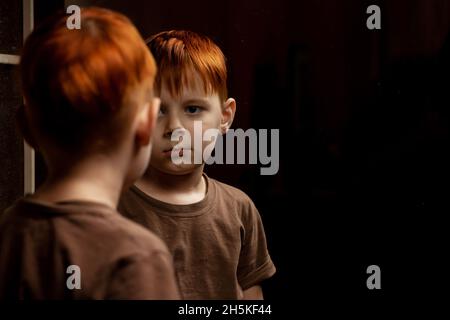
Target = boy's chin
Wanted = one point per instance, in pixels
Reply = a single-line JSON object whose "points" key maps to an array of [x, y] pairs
{"points": [[178, 170]]}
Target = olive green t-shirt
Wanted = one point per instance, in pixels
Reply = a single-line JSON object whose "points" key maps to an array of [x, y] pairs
{"points": [[80, 250], [218, 244]]}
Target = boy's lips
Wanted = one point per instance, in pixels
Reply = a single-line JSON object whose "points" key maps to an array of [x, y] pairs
{"points": [[168, 152]]}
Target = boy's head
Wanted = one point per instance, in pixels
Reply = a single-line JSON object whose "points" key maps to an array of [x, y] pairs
{"points": [[191, 83], [87, 90], [181, 55]]}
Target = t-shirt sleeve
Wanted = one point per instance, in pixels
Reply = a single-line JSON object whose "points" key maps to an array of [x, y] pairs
{"points": [[143, 277], [255, 264]]}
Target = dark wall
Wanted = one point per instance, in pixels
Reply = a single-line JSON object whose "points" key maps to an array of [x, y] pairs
{"points": [[11, 144]]}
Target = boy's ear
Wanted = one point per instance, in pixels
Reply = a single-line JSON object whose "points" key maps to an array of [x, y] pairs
{"points": [[24, 128], [228, 111], [147, 121]]}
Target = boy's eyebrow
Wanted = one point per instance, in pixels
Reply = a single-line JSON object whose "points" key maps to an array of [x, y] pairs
{"points": [[196, 101]]}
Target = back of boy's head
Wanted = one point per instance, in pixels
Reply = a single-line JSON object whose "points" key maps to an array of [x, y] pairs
{"points": [[179, 54], [79, 84]]}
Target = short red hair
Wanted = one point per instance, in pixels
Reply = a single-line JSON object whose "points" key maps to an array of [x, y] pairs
{"points": [[179, 52], [78, 83]]}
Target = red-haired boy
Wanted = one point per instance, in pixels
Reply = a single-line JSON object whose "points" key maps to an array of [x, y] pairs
{"points": [[89, 109], [213, 230]]}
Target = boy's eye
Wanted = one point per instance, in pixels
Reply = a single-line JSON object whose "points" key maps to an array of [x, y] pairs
{"points": [[162, 111], [193, 109]]}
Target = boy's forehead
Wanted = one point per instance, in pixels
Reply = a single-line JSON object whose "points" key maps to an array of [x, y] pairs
{"points": [[193, 87], [186, 93]]}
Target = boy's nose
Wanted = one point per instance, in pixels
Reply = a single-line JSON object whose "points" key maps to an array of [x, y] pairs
{"points": [[173, 124]]}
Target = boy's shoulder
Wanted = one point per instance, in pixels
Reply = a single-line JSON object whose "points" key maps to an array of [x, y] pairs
{"points": [[221, 198], [232, 195], [227, 190], [88, 222], [117, 256]]}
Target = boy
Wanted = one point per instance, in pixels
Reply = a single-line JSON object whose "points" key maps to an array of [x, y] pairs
{"points": [[89, 109], [213, 230]]}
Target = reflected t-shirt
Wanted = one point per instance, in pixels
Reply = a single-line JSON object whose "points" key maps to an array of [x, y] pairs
{"points": [[218, 244]]}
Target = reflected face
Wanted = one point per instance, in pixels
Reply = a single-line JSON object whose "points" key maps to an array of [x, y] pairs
{"points": [[180, 112]]}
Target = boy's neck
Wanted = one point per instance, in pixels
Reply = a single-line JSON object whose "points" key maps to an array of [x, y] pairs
{"points": [[175, 189], [95, 180]]}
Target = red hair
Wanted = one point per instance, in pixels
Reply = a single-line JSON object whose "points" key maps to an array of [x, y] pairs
{"points": [[178, 53], [78, 83]]}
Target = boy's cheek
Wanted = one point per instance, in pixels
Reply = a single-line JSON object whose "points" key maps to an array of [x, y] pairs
{"points": [[159, 129]]}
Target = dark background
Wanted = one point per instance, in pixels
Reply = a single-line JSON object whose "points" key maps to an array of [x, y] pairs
{"points": [[364, 133], [11, 143]]}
